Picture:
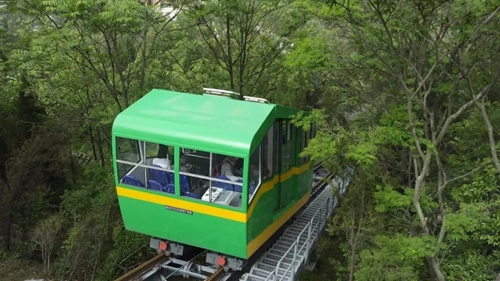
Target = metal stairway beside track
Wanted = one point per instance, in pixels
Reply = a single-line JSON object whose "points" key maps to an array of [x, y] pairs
{"points": [[285, 259]]}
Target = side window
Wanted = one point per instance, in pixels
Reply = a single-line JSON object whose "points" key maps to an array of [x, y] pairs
{"points": [[151, 149], [211, 177], [267, 159], [291, 145], [284, 132], [127, 154], [277, 146], [254, 173], [287, 150], [289, 132], [145, 164]]}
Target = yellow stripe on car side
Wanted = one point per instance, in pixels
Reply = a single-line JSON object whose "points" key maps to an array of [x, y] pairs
{"points": [[206, 209], [183, 204]]}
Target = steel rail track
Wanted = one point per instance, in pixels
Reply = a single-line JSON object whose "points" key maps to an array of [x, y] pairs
{"points": [[136, 272]]}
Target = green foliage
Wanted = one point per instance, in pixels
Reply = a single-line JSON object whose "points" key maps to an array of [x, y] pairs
{"points": [[91, 212], [129, 248], [476, 218], [389, 200], [45, 236], [396, 257], [472, 266], [362, 154], [382, 79], [393, 129]]}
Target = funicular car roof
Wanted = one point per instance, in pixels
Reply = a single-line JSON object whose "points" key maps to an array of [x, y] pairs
{"points": [[203, 122]]}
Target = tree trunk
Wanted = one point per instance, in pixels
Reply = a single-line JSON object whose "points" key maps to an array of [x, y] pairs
{"points": [[433, 263], [8, 229], [354, 246], [491, 136], [101, 152]]}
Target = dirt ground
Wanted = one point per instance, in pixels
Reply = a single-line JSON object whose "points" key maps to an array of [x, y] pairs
{"points": [[20, 270]]}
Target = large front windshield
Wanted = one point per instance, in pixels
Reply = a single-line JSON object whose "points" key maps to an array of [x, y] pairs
{"points": [[209, 177]]}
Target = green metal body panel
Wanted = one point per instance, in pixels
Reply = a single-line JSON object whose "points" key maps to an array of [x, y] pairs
{"points": [[261, 218], [204, 231]]}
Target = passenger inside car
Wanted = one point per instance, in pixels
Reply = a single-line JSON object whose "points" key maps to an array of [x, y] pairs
{"points": [[162, 159], [228, 167]]}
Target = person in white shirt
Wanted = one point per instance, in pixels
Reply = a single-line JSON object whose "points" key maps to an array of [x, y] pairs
{"points": [[162, 157], [162, 162], [227, 168]]}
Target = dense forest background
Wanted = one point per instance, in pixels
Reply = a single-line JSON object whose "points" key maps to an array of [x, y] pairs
{"points": [[406, 91]]}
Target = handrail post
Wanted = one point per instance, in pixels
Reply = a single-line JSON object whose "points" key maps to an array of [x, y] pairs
{"points": [[322, 218], [308, 247], [295, 259], [276, 270]]}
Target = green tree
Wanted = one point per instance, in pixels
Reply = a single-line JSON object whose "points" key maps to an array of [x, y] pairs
{"points": [[430, 63]]}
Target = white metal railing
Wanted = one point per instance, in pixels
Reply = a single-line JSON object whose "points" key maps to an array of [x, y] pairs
{"points": [[319, 217]]}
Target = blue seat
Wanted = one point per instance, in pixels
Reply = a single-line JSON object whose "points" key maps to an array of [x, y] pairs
{"points": [[131, 180], [159, 176], [223, 185], [238, 188], [152, 184], [170, 177], [170, 188], [185, 186]]}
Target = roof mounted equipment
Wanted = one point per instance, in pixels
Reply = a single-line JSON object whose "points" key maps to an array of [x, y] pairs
{"points": [[231, 94], [254, 99], [218, 92]]}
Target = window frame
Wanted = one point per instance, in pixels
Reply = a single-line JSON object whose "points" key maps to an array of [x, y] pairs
{"points": [[270, 154], [257, 186], [143, 163], [141, 147], [209, 178], [137, 147], [277, 147]]}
